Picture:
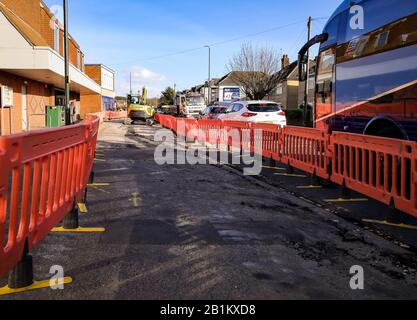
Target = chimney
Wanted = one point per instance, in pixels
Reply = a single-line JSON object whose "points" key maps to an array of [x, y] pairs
{"points": [[285, 61]]}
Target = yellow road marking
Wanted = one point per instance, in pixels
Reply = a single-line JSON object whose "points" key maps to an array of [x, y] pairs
{"points": [[98, 184], [309, 187], [78, 230], [290, 175], [99, 160], [136, 199], [102, 190], [82, 207], [340, 200], [386, 223], [112, 170], [35, 286], [273, 168]]}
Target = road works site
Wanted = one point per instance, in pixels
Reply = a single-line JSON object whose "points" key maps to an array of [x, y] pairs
{"points": [[210, 232]]}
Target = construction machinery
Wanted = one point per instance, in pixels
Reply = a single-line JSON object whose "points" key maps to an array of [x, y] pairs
{"points": [[137, 108], [190, 104]]}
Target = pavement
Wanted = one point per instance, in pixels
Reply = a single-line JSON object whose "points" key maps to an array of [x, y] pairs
{"points": [[208, 232]]}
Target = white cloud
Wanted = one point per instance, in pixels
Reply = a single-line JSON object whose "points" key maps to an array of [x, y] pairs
{"points": [[145, 75], [141, 77]]}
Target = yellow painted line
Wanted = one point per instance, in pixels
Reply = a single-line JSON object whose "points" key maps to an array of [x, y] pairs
{"points": [[98, 184], [273, 168], [290, 175], [78, 230], [99, 160], [341, 200], [35, 286], [102, 190], [309, 187], [386, 223], [112, 170], [136, 199], [82, 207]]}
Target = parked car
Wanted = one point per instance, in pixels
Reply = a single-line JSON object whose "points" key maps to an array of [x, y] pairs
{"points": [[256, 111], [213, 112]]}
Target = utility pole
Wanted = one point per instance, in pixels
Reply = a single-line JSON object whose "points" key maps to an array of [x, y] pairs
{"points": [[209, 75], [130, 75], [66, 58], [309, 25]]}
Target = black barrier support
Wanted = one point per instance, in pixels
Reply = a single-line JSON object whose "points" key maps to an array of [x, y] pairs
{"points": [[21, 275], [71, 220]]}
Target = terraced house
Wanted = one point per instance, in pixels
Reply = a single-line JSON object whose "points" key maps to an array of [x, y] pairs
{"points": [[32, 66]]}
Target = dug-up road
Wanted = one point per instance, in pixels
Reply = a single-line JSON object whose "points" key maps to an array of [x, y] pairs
{"points": [[208, 232]]}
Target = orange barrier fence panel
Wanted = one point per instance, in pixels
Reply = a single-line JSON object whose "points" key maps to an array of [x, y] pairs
{"points": [[306, 149], [210, 131], [236, 134], [42, 175], [269, 139], [187, 128], [381, 168]]}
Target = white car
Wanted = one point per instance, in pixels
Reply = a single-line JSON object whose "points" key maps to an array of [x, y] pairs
{"points": [[257, 112]]}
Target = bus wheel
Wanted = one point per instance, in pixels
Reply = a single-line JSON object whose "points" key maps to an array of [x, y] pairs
{"points": [[389, 132]]}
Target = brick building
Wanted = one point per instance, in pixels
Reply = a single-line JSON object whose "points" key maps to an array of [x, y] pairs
{"points": [[32, 65], [105, 100]]}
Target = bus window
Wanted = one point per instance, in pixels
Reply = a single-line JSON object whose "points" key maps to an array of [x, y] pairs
{"points": [[373, 19], [324, 85]]}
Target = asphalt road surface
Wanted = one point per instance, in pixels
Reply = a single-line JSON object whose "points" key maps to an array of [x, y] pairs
{"points": [[208, 232]]}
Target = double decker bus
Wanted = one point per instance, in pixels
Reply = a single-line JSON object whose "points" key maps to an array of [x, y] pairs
{"points": [[366, 78]]}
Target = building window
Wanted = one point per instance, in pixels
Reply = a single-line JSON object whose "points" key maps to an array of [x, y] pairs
{"points": [[56, 37], [279, 89], [79, 59]]}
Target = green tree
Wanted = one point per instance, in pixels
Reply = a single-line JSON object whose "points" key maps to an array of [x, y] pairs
{"points": [[168, 97]]}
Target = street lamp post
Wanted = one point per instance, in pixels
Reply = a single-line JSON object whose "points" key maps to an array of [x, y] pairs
{"points": [[209, 75], [66, 58]]}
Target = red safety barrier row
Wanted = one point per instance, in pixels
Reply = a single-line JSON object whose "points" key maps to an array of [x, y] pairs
{"points": [[114, 115], [43, 174], [110, 115], [381, 168], [306, 149]]}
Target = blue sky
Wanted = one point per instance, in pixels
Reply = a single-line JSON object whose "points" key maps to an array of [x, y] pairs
{"points": [[124, 34]]}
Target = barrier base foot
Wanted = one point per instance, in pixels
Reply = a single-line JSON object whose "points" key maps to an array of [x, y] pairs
{"points": [[82, 208], [36, 285], [78, 230], [21, 275], [71, 220], [394, 216]]}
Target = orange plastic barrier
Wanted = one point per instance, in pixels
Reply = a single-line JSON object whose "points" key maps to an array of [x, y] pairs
{"points": [[210, 131], [381, 168], [187, 128], [112, 115], [42, 175], [306, 149], [269, 140], [236, 134]]}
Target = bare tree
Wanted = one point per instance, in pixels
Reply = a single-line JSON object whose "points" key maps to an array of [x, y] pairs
{"points": [[256, 70]]}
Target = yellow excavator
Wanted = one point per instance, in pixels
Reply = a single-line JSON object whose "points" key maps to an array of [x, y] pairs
{"points": [[137, 109]]}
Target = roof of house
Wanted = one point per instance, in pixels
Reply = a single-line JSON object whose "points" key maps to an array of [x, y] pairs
{"points": [[289, 71], [284, 73], [229, 77], [30, 34]]}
